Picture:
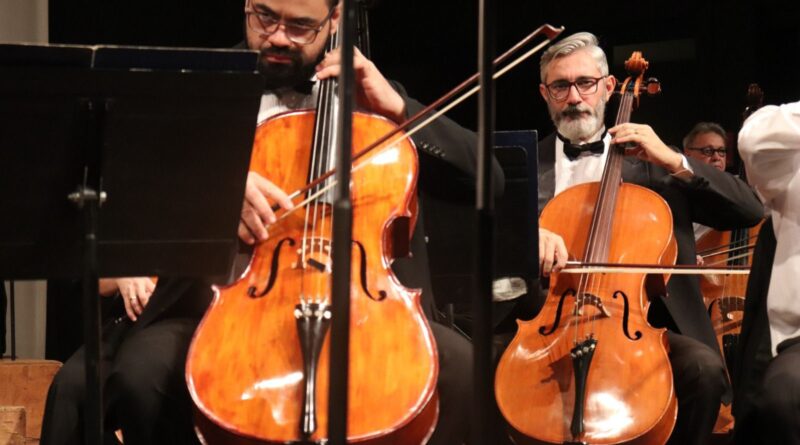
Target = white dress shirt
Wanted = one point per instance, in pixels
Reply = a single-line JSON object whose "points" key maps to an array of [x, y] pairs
{"points": [[285, 99], [769, 143], [587, 167]]}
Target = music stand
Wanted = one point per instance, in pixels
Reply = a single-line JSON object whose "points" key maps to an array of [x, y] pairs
{"points": [[517, 212], [152, 147], [517, 229]]}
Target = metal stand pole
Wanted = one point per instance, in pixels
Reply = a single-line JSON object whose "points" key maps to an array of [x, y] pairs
{"points": [[342, 239], [484, 266]]}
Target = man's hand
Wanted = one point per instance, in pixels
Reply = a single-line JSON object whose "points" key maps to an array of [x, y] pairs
{"points": [[135, 291], [648, 146], [257, 211], [374, 93], [552, 252]]}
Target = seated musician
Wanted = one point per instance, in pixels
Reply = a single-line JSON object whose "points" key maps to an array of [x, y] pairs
{"points": [[145, 355], [768, 364], [576, 85], [706, 143]]}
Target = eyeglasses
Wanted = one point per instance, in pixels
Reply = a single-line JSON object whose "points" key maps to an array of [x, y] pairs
{"points": [[709, 151], [559, 89], [267, 23]]}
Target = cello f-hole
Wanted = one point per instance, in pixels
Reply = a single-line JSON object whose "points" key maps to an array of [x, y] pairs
{"points": [[363, 274], [273, 273], [625, 317], [557, 319]]}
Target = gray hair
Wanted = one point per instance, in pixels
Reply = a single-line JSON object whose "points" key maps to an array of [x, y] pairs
{"points": [[580, 41], [702, 128]]}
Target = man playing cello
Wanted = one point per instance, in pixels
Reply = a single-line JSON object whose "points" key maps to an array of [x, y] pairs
{"points": [[145, 387], [576, 86]]}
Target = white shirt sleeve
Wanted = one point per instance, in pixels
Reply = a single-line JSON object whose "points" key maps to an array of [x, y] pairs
{"points": [[769, 143]]}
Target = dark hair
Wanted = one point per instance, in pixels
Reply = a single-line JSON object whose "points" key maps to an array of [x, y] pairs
{"points": [[702, 128]]}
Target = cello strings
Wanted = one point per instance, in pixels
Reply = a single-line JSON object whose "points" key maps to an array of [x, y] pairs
{"points": [[323, 235], [609, 188], [732, 259], [721, 250], [326, 113]]}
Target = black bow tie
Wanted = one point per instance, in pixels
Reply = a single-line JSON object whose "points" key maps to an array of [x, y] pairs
{"points": [[574, 150]]}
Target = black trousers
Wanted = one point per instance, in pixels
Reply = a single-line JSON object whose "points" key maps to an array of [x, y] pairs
{"points": [[700, 381], [145, 392], [454, 386], [775, 414], [146, 395]]}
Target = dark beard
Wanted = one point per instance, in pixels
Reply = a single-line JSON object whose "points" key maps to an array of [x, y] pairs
{"points": [[286, 75]]}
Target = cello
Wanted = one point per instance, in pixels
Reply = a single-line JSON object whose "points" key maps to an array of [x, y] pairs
{"points": [[259, 362], [589, 369]]}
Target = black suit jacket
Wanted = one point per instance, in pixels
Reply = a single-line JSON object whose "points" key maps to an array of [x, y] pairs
{"points": [[447, 173], [713, 198], [754, 351]]}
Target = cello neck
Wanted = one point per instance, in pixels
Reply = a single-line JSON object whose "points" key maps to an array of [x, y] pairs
{"points": [[597, 246], [597, 243], [362, 28], [325, 138]]}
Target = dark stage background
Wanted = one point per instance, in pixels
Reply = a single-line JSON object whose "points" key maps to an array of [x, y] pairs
{"points": [[704, 52]]}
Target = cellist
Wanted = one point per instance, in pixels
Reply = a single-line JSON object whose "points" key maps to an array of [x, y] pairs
{"points": [[290, 56], [152, 406], [576, 85]]}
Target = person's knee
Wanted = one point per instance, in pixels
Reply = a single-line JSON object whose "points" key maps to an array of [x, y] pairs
{"points": [[69, 382], [779, 400], [134, 384], [705, 371], [455, 361]]}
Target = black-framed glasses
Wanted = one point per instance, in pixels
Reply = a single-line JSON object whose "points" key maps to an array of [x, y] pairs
{"points": [[709, 151], [559, 89], [266, 23]]}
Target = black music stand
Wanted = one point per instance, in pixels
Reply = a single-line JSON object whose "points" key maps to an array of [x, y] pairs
{"points": [[517, 230], [122, 161], [517, 210]]}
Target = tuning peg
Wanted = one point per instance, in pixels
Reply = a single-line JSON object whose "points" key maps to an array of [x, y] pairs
{"points": [[653, 86]]}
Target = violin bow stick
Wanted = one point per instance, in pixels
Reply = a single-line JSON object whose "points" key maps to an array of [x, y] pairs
{"points": [[548, 31], [603, 268]]}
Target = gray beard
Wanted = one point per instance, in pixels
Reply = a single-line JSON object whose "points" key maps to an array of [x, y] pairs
{"points": [[583, 127]]}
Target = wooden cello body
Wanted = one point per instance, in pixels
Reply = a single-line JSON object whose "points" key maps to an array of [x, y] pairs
{"points": [[589, 369], [246, 369], [258, 366], [628, 388], [724, 295]]}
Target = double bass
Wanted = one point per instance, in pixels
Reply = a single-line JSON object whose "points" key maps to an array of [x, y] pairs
{"points": [[259, 362], [589, 369]]}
